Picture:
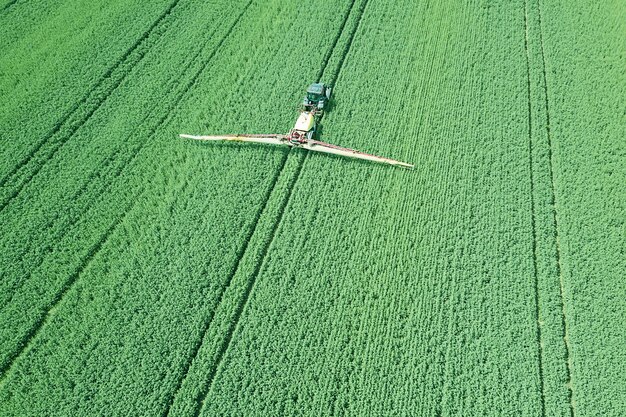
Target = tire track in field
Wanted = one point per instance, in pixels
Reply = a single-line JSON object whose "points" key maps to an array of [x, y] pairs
{"points": [[28, 338], [330, 51], [131, 156], [26, 341], [553, 204], [231, 275], [7, 6], [533, 215], [82, 110], [283, 205]]}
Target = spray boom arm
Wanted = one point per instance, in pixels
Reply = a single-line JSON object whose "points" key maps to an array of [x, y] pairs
{"points": [[302, 142]]}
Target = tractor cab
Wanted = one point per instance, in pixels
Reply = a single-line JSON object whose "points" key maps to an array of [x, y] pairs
{"points": [[315, 92], [317, 96]]}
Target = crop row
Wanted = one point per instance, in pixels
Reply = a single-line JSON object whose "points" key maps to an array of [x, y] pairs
{"points": [[51, 55]]}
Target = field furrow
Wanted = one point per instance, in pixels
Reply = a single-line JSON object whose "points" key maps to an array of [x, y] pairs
{"points": [[46, 147], [556, 392], [47, 241]]}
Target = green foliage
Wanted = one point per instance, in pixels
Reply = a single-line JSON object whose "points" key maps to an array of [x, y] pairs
{"points": [[586, 91], [146, 275], [57, 60]]}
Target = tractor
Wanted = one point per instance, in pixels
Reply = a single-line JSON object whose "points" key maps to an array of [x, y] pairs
{"points": [[317, 98], [304, 133]]}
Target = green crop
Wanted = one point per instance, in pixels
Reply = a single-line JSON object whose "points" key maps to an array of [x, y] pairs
{"points": [[55, 72], [142, 274]]}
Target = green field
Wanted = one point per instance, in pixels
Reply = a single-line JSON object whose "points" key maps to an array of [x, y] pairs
{"points": [[142, 274]]}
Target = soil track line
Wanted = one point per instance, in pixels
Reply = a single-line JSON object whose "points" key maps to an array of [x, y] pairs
{"points": [[286, 198], [540, 352], [346, 49], [246, 296], [330, 51], [570, 388], [32, 333], [7, 6], [101, 90]]}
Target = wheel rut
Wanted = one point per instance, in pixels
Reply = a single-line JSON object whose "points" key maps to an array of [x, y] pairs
{"points": [[533, 216], [555, 216]]}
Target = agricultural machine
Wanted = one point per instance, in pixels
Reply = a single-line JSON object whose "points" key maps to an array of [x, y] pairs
{"points": [[304, 133], [317, 97]]}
